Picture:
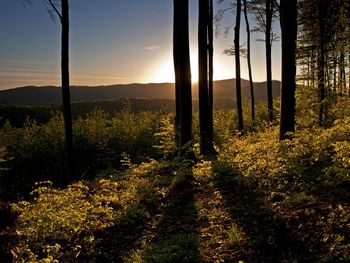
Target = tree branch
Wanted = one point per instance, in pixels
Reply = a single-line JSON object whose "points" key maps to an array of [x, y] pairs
{"points": [[55, 9]]}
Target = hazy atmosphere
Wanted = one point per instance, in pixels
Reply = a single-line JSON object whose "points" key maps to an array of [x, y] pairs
{"points": [[112, 42]]}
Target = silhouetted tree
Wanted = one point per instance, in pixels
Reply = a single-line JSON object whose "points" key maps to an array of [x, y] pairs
{"points": [[268, 45], [183, 90], [288, 11], [264, 11], [63, 15], [205, 80], [251, 85], [211, 73], [238, 66]]}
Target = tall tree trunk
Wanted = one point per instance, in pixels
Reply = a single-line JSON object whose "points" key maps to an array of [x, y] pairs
{"points": [[238, 66], [211, 75], [289, 37], [342, 77], [251, 85], [308, 71], [269, 11], [66, 87], [349, 73], [335, 91], [181, 53], [313, 70], [203, 88], [205, 76], [321, 65]]}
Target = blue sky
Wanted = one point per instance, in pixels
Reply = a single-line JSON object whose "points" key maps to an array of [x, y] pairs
{"points": [[111, 42]]}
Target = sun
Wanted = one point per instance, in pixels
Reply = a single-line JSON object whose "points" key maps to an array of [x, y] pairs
{"points": [[163, 71], [222, 71]]}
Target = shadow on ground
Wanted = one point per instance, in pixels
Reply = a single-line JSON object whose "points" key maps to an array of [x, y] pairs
{"points": [[269, 236], [162, 230]]}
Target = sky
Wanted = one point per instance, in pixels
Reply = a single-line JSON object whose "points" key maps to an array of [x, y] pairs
{"points": [[111, 42]]}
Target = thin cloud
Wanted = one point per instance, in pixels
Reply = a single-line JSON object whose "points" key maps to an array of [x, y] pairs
{"points": [[99, 77], [14, 61], [152, 48], [23, 70]]}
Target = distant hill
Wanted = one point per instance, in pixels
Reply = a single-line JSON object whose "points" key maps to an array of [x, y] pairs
{"points": [[31, 95]]}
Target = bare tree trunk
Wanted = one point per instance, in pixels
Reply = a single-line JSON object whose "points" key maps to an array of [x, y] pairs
{"points": [[205, 77], [181, 52], [211, 74], [203, 88], [335, 76], [342, 78], [313, 68], [66, 87], [349, 72], [251, 85], [321, 67], [308, 71], [238, 66], [289, 37], [269, 11]]}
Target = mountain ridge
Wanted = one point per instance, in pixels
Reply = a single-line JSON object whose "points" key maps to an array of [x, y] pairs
{"points": [[37, 95]]}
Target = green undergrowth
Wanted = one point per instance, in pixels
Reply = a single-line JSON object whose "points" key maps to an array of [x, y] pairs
{"points": [[72, 223], [259, 200]]}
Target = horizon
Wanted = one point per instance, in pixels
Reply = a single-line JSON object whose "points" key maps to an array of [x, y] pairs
{"points": [[124, 43], [120, 84]]}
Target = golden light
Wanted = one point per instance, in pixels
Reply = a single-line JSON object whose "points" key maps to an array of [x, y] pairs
{"points": [[163, 70], [221, 71]]}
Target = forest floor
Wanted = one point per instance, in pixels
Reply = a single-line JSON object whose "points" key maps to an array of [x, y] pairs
{"points": [[208, 217], [259, 200], [192, 213]]}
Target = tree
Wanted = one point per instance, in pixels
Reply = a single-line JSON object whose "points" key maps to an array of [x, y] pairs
{"points": [[211, 74], [52, 7], [251, 85], [264, 11], [238, 65], [235, 51], [205, 78], [323, 41], [268, 45], [183, 89], [288, 11], [244, 52]]}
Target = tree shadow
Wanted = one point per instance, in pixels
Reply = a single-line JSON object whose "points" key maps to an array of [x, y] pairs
{"points": [[176, 236], [157, 229], [269, 237]]}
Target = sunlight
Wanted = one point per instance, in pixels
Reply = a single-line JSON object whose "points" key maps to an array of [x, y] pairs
{"points": [[222, 72], [163, 70]]}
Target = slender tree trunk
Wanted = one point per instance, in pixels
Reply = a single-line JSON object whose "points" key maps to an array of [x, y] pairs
{"points": [[251, 85], [342, 78], [203, 88], [238, 66], [205, 77], [335, 76], [308, 71], [313, 68], [289, 37], [269, 10], [321, 66], [181, 53], [211, 74], [66, 87], [349, 72]]}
